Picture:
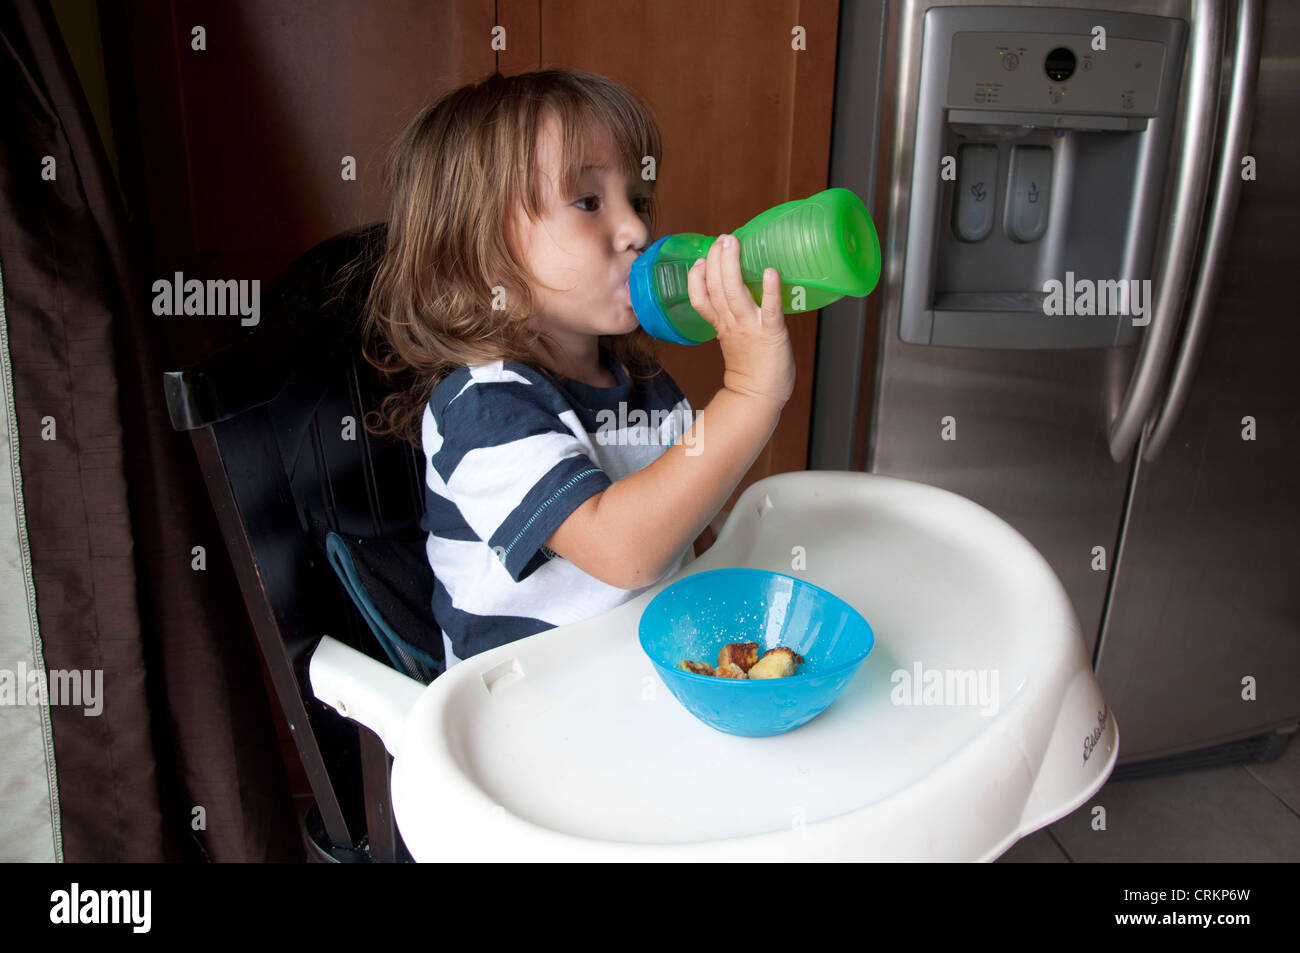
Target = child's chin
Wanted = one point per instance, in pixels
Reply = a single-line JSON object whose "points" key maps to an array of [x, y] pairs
{"points": [[629, 321], [622, 325]]}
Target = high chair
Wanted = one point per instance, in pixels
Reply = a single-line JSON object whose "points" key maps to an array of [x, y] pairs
{"points": [[298, 485], [567, 746]]}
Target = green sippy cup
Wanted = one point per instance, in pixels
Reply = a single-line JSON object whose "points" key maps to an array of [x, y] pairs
{"points": [[824, 247]]}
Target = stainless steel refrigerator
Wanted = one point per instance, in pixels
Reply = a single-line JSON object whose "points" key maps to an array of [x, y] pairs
{"points": [[1087, 322]]}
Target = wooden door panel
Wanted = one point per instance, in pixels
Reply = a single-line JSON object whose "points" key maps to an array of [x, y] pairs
{"points": [[241, 144]]}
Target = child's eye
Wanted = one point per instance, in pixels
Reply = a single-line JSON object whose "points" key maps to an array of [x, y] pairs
{"points": [[642, 203]]}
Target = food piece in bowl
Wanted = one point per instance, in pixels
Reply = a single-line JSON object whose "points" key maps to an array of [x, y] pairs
{"points": [[740, 654], [740, 660], [776, 663], [730, 670]]}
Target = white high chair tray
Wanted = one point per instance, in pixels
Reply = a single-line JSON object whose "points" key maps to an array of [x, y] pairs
{"points": [[566, 745]]}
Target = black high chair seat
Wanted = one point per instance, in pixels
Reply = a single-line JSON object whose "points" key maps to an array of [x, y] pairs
{"points": [[299, 486]]}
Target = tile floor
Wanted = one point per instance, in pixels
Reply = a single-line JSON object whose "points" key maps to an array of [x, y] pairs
{"points": [[1241, 813]]}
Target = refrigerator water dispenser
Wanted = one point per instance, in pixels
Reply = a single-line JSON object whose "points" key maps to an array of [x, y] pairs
{"points": [[1042, 139]]}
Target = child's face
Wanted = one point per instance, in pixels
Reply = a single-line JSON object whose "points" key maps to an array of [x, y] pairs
{"points": [[584, 245]]}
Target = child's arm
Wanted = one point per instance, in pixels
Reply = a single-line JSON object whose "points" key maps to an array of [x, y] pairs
{"points": [[629, 534]]}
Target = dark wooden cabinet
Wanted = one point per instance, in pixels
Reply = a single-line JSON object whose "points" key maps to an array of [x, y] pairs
{"points": [[239, 146]]}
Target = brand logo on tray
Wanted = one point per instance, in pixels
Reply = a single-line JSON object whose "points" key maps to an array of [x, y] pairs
{"points": [[1090, 740]]}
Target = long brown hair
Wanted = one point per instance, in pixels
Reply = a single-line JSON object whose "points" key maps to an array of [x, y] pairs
{"points": [[456, 175]]}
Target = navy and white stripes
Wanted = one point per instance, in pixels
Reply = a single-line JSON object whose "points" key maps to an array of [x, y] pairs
{"points": [[509, 456]]}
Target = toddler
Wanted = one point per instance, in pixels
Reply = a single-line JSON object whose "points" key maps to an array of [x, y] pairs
{"points": [[565, 470]]}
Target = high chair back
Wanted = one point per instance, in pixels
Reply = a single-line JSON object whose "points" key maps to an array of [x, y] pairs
{"points": [[276, 416]]}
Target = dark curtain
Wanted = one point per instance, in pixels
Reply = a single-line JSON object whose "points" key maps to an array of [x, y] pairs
{"points": [[115, 505]]}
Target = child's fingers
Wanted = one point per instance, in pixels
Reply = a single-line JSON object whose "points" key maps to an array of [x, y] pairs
{"points": [[713, 282], [739, 301], [698, 294], [772, 311]]}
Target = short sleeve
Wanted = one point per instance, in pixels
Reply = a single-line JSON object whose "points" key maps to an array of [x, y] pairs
{"points": [[513, 466]]}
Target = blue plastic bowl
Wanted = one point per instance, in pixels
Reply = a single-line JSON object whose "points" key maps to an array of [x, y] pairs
{"points": [[694, 617]]}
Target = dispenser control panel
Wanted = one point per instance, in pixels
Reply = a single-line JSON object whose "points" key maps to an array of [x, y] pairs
{"points": [[1058, 72]]}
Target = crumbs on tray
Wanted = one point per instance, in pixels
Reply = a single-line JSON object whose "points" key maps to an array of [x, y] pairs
{"points": [[740, 660]]}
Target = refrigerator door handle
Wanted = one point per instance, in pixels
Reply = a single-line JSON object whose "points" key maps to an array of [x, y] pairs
{"points": [[1223, 214], [1182, 229]]}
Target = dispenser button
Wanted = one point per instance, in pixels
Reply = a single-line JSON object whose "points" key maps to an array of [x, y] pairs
{"points": [[1027, 199], [977, 171]]}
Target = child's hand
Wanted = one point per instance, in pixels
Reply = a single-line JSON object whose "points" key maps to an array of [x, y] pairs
{"points": [[756, 352]]}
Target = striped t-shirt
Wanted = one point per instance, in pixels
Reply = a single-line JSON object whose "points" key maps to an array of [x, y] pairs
{"points": [[509, 455]]}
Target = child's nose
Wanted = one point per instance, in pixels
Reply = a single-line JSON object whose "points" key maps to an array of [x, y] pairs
{"points": [[634, 225]]}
